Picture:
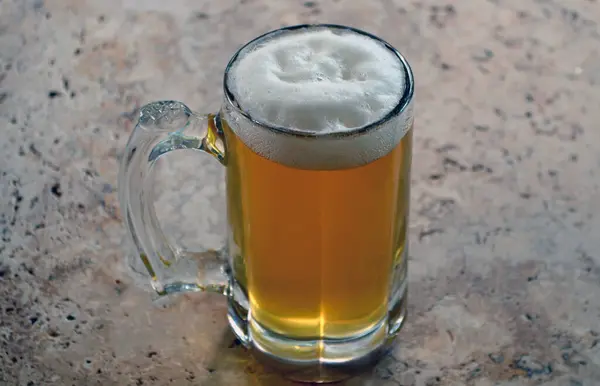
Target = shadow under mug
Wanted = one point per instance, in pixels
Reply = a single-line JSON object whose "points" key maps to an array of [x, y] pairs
{"points": [[315, 263]]}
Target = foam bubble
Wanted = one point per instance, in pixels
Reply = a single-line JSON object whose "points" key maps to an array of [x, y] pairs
{"points": [[318, 80]]}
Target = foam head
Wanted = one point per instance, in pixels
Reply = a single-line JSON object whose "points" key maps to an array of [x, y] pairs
{"points": [[317, 80]]}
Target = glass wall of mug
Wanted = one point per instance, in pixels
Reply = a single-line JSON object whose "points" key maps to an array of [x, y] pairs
{"points": [[317, 197]]}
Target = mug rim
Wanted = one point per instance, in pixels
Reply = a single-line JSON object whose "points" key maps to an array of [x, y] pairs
{"points": [[398, 109]]}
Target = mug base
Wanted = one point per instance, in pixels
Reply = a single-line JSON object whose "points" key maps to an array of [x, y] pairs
{"points": [[319, 360]]}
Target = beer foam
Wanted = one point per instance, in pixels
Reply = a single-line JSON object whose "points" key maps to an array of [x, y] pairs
{"points": [[318, 81]]}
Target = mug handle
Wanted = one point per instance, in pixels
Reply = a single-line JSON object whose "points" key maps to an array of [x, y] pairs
{"points": [[163, 127]]}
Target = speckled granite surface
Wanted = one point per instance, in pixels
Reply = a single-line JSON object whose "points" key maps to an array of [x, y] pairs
{"points": [[504, 270]]}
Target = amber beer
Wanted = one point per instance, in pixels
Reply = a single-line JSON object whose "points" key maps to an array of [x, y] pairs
{"points": [[316, 234], [318, 245]]}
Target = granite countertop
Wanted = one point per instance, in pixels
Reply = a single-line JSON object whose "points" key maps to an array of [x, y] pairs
{"points": [[504, 267]]}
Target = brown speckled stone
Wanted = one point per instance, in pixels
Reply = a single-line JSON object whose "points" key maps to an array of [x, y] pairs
{"points": [[504, 271]]}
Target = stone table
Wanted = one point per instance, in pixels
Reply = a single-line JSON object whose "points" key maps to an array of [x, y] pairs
{"points": [[504, 267]]}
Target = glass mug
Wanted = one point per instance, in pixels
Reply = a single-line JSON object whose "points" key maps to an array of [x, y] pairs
{"points": [[315, 263]]}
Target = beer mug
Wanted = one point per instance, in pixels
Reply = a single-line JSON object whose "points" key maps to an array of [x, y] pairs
{"points": [[315, 133]]}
